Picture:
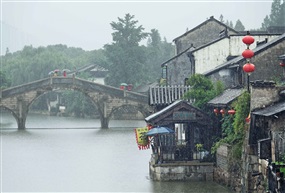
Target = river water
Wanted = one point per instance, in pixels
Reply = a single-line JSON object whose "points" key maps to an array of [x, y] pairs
{"points": [[62, 154]]}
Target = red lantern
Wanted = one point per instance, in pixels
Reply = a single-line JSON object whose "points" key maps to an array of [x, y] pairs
{"points": [[222, 111], [248, 68], [231, 112], [247, 120], [216, 111], [282, 64], [248, 39], [248, 53]]}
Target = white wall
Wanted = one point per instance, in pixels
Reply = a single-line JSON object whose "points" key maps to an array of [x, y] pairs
{"points": [[98, 80], [209, 57]]}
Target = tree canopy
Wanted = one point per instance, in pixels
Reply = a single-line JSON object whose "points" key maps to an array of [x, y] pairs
{"points": [[4, 80], [239, 26], [128, 61], [202, 90], [125, 57], [276, 16], [31, 63]]}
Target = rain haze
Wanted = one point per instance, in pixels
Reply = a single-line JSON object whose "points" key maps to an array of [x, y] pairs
{"points": [[86, 24]]}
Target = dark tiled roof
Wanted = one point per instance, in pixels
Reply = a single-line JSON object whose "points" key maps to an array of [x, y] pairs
{"points": [[271, 110], [226, 97], [211, 19], [167, 116], [162, 111], [91, 67], [175, 104]]}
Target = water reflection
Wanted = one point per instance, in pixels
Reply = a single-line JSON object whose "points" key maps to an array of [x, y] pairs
{"points": [[81, 160]]}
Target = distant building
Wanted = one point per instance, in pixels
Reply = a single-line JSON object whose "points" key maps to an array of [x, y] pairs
{"points": [[96, 73]]}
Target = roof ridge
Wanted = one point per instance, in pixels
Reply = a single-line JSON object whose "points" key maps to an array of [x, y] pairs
{"points": [[208, 20]]}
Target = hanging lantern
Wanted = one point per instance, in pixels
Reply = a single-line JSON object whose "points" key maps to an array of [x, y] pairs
{"points": [[231, 112], [248, 53], [248, 40], [248, 68], [216, 111], [222, 111]]}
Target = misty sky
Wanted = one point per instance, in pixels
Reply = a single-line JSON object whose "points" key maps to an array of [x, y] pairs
{"points": [[86, 24]]}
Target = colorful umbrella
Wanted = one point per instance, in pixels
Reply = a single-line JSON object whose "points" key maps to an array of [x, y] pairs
{"points": [[159, 130]]}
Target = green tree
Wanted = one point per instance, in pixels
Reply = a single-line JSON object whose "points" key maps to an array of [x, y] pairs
{"points": [[229, 23], [78, 104], [202, 90], [277, 15], [154, 39], [31, 64], [158, 51], [242, 108], [239, 26], [265, 23], [5, 82], [233, 126], [125, 57], [222, 18]]}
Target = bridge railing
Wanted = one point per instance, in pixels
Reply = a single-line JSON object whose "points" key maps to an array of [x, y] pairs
{"points": [[72, 83], [24, 87], [167, 94]]}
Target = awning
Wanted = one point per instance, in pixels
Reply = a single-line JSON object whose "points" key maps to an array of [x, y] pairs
{"points": [[226, 97], [271, 110]]}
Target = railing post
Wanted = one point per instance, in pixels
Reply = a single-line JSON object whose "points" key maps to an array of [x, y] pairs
{"points": [[73, 79], [50, 80]]}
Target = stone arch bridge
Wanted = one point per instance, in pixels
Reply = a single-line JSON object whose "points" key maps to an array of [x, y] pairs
{"points": [[107, 99]]}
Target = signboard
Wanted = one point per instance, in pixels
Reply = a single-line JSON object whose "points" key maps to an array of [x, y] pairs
{"points": [[142, 140], [184, 115]]}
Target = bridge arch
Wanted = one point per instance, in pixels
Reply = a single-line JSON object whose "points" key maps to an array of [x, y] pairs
{"points": [[12, 113], [57, 91], [106, 98], [138, 108]]}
